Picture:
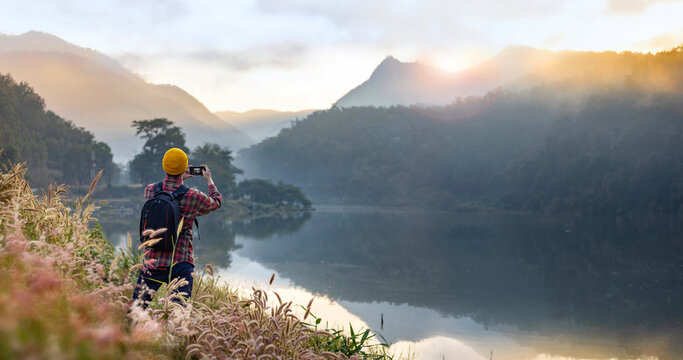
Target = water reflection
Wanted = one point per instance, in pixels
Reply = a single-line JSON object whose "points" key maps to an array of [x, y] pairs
{"points": [[263, 228], [616, 284], [246, 273], [520, 286]]}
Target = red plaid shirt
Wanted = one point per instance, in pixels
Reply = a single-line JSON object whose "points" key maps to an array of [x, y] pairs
{"points": [[194, 203]]}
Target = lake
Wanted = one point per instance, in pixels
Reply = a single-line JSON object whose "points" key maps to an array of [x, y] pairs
{"points": [[465, 286]]}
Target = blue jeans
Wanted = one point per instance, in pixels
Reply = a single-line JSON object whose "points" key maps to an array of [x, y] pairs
{"points": [[149, 283]]}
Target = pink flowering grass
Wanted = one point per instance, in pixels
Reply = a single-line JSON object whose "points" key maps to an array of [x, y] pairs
{"points": [[59, 293], [65, 293]]}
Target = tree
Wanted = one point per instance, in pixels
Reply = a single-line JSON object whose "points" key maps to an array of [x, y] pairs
{"points": [[290, 194], [264, 191], [104, 160], [219, 161], [160, 135], [257, 190]]}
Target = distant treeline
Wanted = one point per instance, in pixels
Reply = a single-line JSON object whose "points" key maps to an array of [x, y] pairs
{"points": [[617, 151], [55, 149]]}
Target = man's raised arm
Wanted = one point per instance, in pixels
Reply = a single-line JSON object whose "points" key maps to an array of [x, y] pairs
{"points": [[211, 202]]}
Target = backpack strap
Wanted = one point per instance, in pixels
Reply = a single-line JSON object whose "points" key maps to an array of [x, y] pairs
{"points": [[158, 187], [197, 223], [178, 194]]}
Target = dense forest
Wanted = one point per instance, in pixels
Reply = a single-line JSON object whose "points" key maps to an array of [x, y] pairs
{"points": [[56, 150], [613, 150]]}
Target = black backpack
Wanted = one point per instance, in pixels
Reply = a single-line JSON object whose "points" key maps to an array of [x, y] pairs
{"points": [[162, 211]]}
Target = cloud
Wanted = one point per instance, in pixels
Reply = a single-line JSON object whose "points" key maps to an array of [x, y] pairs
{"points": [[662, 42], [436, 348], [399, 10], [632, 6], [284, 56], [276, 56], [397, 22], [291, 54]]}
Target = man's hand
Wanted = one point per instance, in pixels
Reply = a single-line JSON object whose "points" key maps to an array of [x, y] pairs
{"points": [[207, 175], [185, 175]]}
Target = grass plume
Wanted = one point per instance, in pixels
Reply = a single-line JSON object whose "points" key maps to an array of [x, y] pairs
{"points": [[65, 293]]}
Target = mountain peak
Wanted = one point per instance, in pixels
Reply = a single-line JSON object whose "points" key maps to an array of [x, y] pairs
{"points": [[34, 41], [40, 42], [389, 67], [389, 60], [34, 34]]}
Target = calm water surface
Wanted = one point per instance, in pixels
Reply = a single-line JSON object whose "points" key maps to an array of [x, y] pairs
{"points": [[460, 286]]}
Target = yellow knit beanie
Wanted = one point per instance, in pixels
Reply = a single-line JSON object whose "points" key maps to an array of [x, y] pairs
{"points": [[175, 161]]}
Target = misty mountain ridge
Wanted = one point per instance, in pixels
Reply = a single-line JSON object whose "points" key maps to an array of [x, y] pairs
{"points": [[36, 41], [96, 92], [260, 124], [598, 139], [515, 68]]}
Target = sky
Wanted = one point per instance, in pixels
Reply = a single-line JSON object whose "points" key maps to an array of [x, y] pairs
{"points": [[292, 55]]}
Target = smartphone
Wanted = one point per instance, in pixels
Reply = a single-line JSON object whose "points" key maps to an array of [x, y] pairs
{"points": [[196, 170]]}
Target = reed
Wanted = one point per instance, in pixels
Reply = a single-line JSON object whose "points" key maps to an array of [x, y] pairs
{"points": [[67, 290]]}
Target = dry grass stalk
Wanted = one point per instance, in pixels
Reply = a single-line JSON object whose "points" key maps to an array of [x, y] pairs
{"points": [[48, 241], [94, 183], [180, 227], [308, 308], [157, 232], [148, 243], [209, 269]]}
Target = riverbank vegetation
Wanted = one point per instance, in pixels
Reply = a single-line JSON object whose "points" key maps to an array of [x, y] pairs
{"points": [[127, 200], [65, 293]]}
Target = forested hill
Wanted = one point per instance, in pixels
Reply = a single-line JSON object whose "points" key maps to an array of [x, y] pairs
{"points": [[616, 150], [516, 68], [55, 149]]}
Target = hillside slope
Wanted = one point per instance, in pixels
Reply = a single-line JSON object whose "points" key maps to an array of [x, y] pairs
{"points": [[97, 93], [612, 145], [55, 150]]}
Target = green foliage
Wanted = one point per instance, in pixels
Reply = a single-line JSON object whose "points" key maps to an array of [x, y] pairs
{"points": [[264, 191], [402, 155], [56, 150], [619, 151], [160, 135], [355, 344], [603, 140]]}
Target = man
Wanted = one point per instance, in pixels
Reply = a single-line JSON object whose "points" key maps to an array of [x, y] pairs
{"points": [[163, 266]]}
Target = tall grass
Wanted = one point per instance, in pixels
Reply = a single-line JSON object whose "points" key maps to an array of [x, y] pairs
{"points": [[65, 293]]}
